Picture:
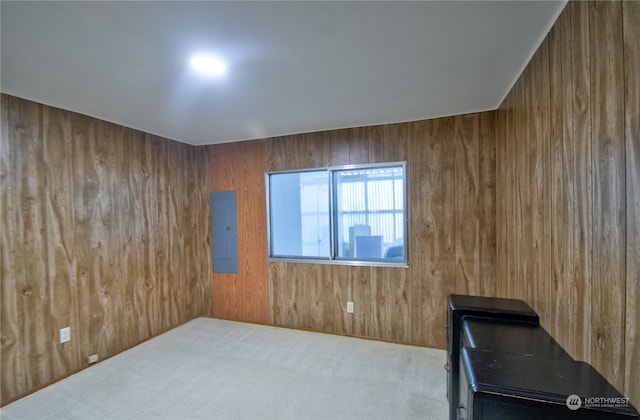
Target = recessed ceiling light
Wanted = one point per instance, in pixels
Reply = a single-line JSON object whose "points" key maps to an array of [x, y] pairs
{"points": [[208, 64]]}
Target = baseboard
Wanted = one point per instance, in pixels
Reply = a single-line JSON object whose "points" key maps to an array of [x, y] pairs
{"points": [[364, 337]]}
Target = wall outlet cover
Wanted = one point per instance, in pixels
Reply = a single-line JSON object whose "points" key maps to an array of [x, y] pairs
{"points": [[350, 307], [65, 334]]}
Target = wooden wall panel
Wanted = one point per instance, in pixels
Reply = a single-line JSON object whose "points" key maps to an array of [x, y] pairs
{"points": [[11, 357], [368, 293], [514, 213], [95, 227], [566, 230], [609, 216], [174, 299], [432, 143], [518, 213], [402, 304], [541, 174], [487, 205], [61, 246], [561, 190], [502, 267], [342, 293], [581, 138], [513, 203], [631, 26], [467, 204], [240, 167], [444, 129], [35, 332], [131, 220], [100, 226]]}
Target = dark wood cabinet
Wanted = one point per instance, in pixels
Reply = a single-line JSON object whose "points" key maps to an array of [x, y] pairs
{"points": [[460, 306], [503, 365]]}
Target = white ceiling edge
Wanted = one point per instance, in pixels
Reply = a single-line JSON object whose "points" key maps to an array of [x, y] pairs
{"points": [[347, 127], [272, 136], [533, 52], [447, 105]]}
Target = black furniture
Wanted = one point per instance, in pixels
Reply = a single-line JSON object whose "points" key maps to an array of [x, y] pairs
{"points": [[480, 307], [503, 365], [506, 336], [508, 386]]}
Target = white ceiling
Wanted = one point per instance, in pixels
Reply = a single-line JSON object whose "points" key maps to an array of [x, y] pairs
{"points": [[293, 67]]}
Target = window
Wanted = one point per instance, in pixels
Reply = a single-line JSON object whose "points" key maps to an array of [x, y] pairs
{"points": [[350, 215], [299, 214]]}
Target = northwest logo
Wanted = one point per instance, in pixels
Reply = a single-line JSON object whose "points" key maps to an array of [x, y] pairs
{"points": [[574, 402]]}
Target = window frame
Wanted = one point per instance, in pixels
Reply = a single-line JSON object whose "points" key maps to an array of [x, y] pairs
{"points": [[333, 257]]}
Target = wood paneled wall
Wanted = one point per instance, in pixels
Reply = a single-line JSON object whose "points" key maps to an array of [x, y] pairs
{"points": [[451, 181], [244, 296], [568, 187], [104, 229]]}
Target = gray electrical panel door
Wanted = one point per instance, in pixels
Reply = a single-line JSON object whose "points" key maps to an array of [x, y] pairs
{"points": [[224, 232]]}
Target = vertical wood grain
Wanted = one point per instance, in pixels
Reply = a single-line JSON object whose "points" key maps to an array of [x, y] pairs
{"points": [[403, 304], [609, 220], [36, 330], [424, 240], [563, 307], [275, 294], [240, 167], [566, 305], [541, 211], [631, 26], [133, 233], [226, 295], [376, 143], [254, 234], [321, 312], [276, 155], [206, 268], [519, 213], [96, 227], [487, 204], [501, 204], [358, 145], [342, 293], [509, 290], [396, 142], [467, 223], [62, 269], [294, 303], [157, 150], [86, 239], [430, 164], [313, 287], [340, 148], [12, 355], [445, 130], [582, 242], [566, 218], [583, 140], [140, 175], [551, 225], [369, 297], [401, 327], [177, 233]]}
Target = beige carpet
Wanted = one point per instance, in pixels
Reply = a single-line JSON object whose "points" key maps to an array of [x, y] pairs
{"points": [[214, 369]]}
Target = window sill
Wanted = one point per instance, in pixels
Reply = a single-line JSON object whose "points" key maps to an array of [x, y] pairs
{"points": [[361, 263]]}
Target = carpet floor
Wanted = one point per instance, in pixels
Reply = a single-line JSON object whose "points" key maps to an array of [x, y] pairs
{"points": [[214, 369]]}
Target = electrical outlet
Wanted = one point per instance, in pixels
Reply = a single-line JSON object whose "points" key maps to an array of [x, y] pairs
{"points": [[92, 359], [349, 307], [65, 334]]}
